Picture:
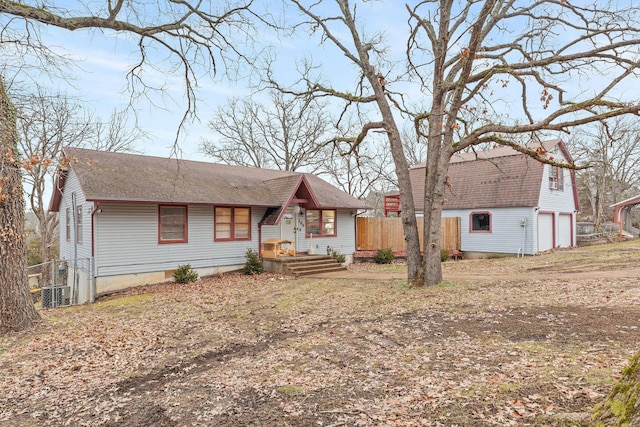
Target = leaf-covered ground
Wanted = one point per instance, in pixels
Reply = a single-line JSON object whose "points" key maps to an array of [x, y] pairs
{"points": [[533, 341]]}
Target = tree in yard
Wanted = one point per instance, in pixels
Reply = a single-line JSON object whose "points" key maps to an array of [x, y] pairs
{"points": [[47, 122], [612, 148], [194, 38], [16, 309], [472, 74], [359, 174], [284, 134]]}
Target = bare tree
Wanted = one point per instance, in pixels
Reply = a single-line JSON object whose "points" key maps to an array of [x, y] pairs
{"points": [[194, 37], [286, 134], [116, 134], [478, 49], [47, 122], [612, 149], [17, 310], [488, 73], [365, 53], [44, 124], [360, 173]]}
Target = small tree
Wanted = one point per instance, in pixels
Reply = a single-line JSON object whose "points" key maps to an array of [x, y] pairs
{"points": [[185, 274], [253, 265], [384, 256]]}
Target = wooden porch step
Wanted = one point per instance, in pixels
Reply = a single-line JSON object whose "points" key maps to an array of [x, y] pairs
{"points": [[315, 266]]}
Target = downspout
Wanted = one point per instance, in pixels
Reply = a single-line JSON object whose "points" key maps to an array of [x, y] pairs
{"points": [[523, 223], [260, 239], [75, 245], [93, 266]]}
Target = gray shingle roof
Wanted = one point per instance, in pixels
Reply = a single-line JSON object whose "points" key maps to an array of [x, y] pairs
{"points": [[122, 177], [496, 178]]}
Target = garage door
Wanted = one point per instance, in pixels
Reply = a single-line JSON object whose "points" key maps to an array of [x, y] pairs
{"points": [[545, 232], [564, 230]]}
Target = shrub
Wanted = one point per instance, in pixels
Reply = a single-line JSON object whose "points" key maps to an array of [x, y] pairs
{"points": [[384, 256], [185, 274], [253, 265], [444, 255], [338, 256]]}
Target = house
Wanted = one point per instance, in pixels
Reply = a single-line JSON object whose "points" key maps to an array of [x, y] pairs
{"points": [[139, 217], [508, 202]]}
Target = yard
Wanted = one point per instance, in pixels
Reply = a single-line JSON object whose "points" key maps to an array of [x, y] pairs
{"points": [[534, 341]]}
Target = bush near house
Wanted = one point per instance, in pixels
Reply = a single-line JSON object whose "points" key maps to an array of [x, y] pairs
{"points": [[185, 274], [253, 265], [340, 258], [384, 256]]}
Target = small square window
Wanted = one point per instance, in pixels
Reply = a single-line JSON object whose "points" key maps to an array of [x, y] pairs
{"points": [[481, 221]]}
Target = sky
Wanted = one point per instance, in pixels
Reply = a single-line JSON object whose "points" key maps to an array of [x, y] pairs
{"points": [[103, 58]]}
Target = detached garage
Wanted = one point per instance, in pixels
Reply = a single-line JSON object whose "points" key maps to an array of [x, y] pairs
{"points": [[509, 202]]}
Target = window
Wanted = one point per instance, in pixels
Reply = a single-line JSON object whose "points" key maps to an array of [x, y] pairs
{"points": [[79, 224], [556, 178], [68, 225], [172, 224], [321, 223], [232, 224], [480, 222]]}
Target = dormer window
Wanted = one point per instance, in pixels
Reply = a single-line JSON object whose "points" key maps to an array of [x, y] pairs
{"points": [[556, 178]]}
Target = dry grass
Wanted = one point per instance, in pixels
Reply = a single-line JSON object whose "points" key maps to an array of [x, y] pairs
{"points": [[534, 341]]}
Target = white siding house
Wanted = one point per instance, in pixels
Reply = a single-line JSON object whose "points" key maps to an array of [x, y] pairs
{"points": [[138, 218], [509, 202]]}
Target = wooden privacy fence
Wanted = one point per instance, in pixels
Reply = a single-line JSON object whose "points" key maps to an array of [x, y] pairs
{"points": [[381, 233]]}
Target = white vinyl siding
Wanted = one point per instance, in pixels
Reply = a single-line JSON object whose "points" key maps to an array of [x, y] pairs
{"points": [[510, 231], [556, 200], [344, 241], [127, 241], [72, 247]]}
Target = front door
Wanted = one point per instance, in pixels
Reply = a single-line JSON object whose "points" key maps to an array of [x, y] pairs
{"points": [[288, 227]]}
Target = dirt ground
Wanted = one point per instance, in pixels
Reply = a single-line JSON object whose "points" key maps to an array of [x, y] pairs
{"points": [[529, 341]]}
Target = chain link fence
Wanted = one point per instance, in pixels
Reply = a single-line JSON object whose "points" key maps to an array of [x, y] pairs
{"points": [[60, 283]]}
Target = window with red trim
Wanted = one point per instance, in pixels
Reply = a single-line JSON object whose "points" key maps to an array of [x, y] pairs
{"points": [[320, 222], [232, 223], [480, 222], [79, 225], [172, 224], [68, 225], [556, 178]]}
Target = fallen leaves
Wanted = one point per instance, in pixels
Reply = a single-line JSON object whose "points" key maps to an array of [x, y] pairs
{"points": [[513, 349]]}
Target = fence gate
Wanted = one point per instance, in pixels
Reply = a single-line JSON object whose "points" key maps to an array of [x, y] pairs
{"points": [[59, 283]]}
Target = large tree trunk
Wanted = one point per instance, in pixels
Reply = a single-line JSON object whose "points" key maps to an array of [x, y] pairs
{"points": [[438, 159], [17, 311], [415, 272]]}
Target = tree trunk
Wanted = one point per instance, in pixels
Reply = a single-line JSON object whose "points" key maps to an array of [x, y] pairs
{"points": [[415, 271], [436, 175], [17, 311]]}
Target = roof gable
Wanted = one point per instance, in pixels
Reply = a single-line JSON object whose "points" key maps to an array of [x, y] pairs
{"points": [[497, 178], [123, 177]]}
